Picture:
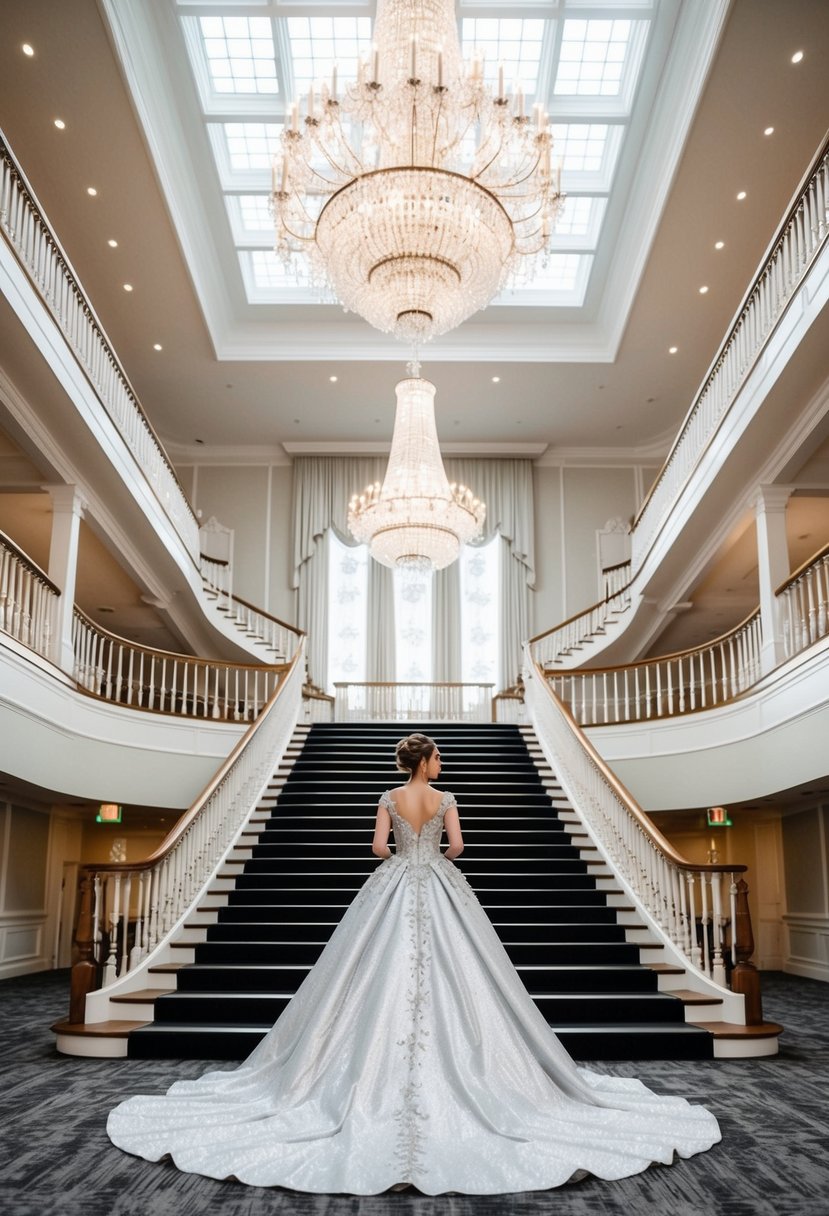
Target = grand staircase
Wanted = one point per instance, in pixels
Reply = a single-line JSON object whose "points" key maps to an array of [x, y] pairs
{"points": [[563, 921]]}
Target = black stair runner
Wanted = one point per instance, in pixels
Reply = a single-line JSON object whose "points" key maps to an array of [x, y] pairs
{"points": [[314, 854]]}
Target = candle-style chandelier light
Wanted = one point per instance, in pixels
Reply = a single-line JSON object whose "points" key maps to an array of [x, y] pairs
{"points": [[418, 190]]}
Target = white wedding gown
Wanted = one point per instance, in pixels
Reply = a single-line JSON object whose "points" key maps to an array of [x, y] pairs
{"points": [[412, 1053]]}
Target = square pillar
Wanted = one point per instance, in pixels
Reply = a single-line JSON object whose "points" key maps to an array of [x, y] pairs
{"points": [[67, 507], [773, 568]]}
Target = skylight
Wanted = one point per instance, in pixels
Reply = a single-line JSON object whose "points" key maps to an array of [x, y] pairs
{"points": [[584, 63], [240, 54], [592, 58], [318, 43], [512, 41]]}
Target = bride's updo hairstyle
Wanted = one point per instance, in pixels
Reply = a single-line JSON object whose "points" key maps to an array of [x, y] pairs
{"points": [[411, 750]]}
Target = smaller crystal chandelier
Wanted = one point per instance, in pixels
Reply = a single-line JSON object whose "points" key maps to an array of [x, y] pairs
{"points": [[416, 521]]}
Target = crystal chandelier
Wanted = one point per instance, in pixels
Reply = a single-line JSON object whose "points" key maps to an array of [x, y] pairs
{"points": [[416, 520], [418, 190]]}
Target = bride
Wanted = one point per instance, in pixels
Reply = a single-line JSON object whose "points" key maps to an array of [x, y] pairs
{"points": [[412, 1053]]}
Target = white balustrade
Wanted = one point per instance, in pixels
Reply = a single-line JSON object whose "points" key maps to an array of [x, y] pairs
{"points": [[615, 579], [387, 702], [38, 251], [28, 599], [804, 604], [216, 575], [693, 906], [317, 706], [677, 683], [791, 253], [123, 672], [563, 640], [279, 639], [135, 906]]}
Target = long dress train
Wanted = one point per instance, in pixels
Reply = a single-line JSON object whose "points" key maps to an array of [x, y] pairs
{"points": [[412, 1053]]}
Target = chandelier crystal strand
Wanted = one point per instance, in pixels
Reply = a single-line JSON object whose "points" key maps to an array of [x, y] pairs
{"points": [[417, 191], [416, 521]]}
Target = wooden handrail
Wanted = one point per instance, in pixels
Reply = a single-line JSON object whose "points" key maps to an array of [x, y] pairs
{"points": [[617, 566], [585, 611], [662, 658], [311, 693], [172, 654], [802, 568], [177, 831], [413, 684], [216, 561], [643, 821], [30, 565], [775, 241], [300, 633]]}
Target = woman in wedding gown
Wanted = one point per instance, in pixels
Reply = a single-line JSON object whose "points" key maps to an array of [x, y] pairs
{"points": [[412, 1054]]}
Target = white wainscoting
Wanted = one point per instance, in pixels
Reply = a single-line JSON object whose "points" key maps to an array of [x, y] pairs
{"points": [[808, 946]]}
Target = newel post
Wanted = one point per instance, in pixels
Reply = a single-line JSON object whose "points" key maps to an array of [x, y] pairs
{"points": [[745, 978], [84, 971]]}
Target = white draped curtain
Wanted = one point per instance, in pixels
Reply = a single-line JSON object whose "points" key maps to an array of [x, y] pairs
{"points": [[323, 486]]}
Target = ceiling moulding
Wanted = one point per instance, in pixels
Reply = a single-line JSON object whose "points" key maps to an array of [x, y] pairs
{"points": [[648, 454], [151, 49], [383, 447]]}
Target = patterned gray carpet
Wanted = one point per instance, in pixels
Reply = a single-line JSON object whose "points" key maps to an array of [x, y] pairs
{"points": [[55, 1158]]}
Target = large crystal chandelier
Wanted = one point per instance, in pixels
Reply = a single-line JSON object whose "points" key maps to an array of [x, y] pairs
{"points": [[416, 520], [418, 190]]}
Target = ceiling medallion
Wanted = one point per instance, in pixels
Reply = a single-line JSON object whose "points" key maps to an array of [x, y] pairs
{"points": [[417, 191], [416, 521]]}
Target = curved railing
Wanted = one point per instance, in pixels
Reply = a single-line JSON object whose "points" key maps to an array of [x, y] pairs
{"points": [[128, 910], [38, 251], [678, 683], [558, 643], [385, 701], [125, 673], [277, 637], [700, 909], [804, 603], [794, 247], [28, 599]]}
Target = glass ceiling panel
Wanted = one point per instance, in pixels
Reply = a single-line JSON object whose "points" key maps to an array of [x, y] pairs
{"points": [[255, 214], [252, 145], [592, 59], [512, 41], [317, 43], [240, 54]]}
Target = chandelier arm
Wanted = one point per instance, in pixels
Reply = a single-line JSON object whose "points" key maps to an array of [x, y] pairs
{"points": [[296, 235], [344, 146], [519, 181]]}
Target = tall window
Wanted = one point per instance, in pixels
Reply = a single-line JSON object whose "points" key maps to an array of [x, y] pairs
{"points": [[347, 604], [481, 612], [413, 628]]}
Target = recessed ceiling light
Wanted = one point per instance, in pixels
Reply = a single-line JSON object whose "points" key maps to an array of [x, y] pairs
{"points": [[496, 379], [741, 195], [703, 290], [769, 131], [60, 124], [333, 379], [112, 243], [128, 287], [797, 56], [672, 350], [28, 49], [719, 244], [91, 191], [157, 346]]}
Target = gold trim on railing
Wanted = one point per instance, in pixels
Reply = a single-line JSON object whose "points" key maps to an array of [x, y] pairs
{"points": [[237, 599], [624, 795], [177, 831], [584, 612], [802, 568], [31, 566], [172, 654]]}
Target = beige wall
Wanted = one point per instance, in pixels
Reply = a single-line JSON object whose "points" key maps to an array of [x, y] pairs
{"points": [[255, 501], [806, 853]]}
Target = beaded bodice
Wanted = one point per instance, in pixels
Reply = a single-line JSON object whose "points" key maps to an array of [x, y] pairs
{"points": [[417, 846]]}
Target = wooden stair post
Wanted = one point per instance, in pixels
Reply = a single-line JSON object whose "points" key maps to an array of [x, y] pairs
{"points": [[84, 970], [745, 978]]}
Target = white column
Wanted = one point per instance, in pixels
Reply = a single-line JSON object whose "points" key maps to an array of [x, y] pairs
{"points": [[67, 508], [773, 567]]}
